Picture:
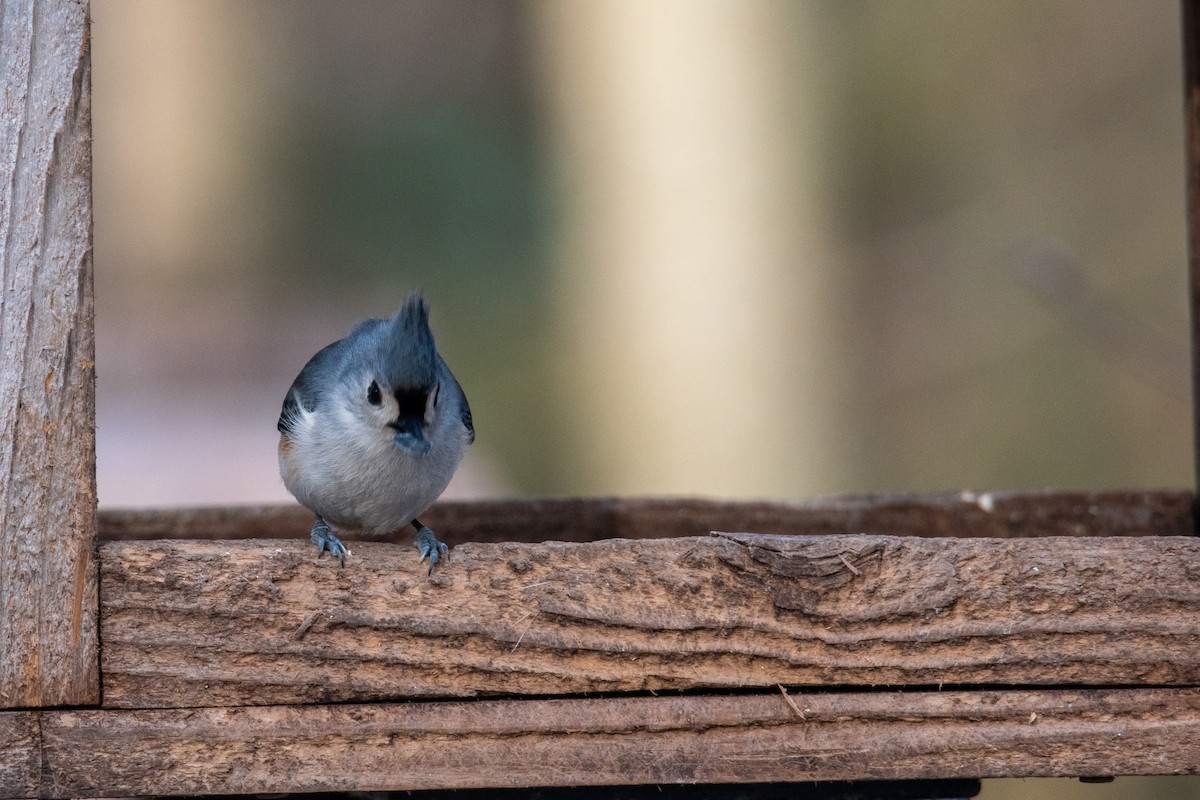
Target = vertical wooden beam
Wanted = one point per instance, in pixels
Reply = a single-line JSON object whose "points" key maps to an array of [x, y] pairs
{"points": [[1191, 88], [48, 598]]}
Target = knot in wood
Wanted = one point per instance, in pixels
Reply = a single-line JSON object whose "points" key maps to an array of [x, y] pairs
{"points": [[799, 570]]}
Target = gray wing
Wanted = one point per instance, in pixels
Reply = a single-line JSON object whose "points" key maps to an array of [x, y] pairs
{"points": [[320, 370], [305, 390]]}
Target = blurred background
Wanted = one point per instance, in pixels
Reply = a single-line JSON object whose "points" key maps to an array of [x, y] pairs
{"points": [[732, 248], [736, 249]]}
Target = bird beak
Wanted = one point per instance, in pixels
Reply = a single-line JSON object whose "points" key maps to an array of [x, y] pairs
{"points": [[409, 437]]}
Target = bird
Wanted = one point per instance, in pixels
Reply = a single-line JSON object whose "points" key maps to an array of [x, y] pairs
{"points": [[372, 430]]}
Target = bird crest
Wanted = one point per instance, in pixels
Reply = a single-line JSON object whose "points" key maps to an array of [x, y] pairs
{"points": [[408, 354]]}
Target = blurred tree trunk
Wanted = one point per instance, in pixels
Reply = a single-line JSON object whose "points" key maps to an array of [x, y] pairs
{"points": [[701, 336]]}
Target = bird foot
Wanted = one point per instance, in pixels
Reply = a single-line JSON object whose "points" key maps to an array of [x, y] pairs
{"points": [[430, 547], [324, 539]]}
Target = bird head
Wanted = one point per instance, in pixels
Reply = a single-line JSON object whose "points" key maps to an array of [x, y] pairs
{"points": [[401, 387]]}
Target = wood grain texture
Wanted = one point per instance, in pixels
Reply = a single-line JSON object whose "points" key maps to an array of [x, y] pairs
{"points": [[193, 623], [47, 398], [20, 754], [499, 743], [996, 514]]}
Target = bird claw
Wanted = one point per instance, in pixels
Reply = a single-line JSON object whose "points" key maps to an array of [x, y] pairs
{"points": [[429, 547], [324, 539]]}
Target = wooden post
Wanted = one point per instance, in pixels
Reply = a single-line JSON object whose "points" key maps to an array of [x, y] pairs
{"points": [[48, 575]]}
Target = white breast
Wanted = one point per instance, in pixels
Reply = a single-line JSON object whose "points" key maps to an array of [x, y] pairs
{"points": [[356, 478]]}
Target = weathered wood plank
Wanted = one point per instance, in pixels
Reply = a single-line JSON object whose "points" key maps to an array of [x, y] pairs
{"points": [[995, 514], [48, 645], [20, 754], [499, 743], [193, 623]]}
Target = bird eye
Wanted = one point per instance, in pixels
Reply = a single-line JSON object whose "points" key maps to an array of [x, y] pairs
{"points": [[373, 395]]}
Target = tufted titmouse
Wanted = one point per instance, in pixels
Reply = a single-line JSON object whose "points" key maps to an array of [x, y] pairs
{"points": [[372, 430]]}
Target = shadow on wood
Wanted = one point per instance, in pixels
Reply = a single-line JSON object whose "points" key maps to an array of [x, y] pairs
{"points": [[998, 514]]}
